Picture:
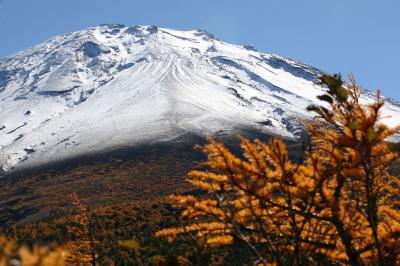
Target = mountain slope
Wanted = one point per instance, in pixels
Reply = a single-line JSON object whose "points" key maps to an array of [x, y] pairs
{"points": [[113, 86]]}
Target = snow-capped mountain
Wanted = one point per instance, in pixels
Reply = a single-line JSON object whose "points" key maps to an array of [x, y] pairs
{"points": [[114, 85]]}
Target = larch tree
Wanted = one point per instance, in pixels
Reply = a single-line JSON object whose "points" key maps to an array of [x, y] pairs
{"points": [[82, 251], [338, 204]]}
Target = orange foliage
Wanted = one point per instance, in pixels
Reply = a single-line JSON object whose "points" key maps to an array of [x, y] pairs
{"points": [[337, 204], [12, 254], [82, 251]]}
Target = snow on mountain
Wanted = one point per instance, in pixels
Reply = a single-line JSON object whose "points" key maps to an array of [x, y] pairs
{"points": [[114, 85]]}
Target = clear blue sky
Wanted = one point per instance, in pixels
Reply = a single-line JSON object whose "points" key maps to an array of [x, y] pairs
{"points": [[361, 36]]}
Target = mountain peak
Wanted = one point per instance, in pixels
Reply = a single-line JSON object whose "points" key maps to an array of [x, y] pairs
{"points": [[115, 85]]}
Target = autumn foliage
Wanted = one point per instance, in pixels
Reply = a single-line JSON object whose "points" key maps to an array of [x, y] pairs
{"points": [[13, 254], [335, 204], [82, 250]]}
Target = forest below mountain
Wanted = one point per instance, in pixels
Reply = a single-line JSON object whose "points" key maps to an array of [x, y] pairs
{"points": [[331, 199]]}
